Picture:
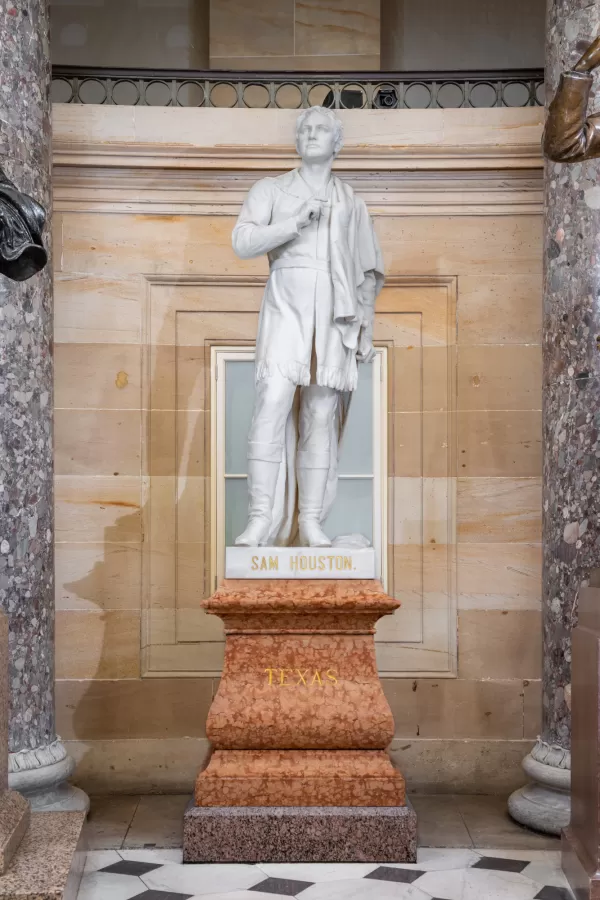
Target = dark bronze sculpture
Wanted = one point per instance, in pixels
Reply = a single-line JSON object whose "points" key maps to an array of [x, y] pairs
{"points": [[569, 135], [22, 252]]}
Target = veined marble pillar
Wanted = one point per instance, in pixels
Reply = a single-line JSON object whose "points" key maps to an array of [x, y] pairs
{"points": [[571, 430], [38, 762]]}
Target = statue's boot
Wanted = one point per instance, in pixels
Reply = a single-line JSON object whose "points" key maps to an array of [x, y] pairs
{"points": [[262, 482], [311, 493]]}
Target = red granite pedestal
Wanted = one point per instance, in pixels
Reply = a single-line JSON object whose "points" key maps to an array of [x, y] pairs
{"points": [[581, 840], [299, 725]]}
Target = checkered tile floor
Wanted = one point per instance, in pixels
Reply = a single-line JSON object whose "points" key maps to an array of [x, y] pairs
{"points": [[438, 875]]}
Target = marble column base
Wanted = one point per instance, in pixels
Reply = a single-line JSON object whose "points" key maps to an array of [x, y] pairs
{"points": [[545, 803], [300, 834], [41, 775]]}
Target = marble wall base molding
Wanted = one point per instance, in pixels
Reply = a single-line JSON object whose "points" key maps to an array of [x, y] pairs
{"points": [[170, 765], [544, 804], [42, 774]]}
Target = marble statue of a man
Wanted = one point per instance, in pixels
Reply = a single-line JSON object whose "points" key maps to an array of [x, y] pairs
{"points": [[316, 322]]}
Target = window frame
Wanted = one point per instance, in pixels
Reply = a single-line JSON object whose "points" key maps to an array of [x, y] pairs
{"points": [[222, 355]]}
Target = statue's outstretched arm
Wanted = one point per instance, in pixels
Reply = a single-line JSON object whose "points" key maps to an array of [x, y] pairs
{"points": [[570, 136]]}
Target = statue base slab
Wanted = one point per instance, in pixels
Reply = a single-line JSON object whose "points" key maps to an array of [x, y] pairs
{"points": [[300, 834]]}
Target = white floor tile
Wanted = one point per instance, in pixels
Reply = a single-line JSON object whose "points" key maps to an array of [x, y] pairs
{"points": [[317, 871], [433, 860], [107, 886], [98, 859], [160, 857], [478, 884], [203, 879], [544, 873], [240, 895], [447, 875], [365, 889], [553, 857]]}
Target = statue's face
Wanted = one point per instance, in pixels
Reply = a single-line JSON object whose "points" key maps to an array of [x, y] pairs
{"points": [[316, 138]]}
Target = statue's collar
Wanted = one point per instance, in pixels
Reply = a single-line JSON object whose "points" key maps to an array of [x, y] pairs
{"points": [[293, 183]]}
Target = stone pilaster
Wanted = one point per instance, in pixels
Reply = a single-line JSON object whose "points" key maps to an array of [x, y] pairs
{"points": [[38, 763], [571, 426]]}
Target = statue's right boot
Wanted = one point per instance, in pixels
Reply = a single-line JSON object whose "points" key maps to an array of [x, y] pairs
{"points": [[262, 482], [311, 493]]}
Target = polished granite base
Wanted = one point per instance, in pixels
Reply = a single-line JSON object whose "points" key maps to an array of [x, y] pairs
{"points": [[14, 821], [300, 834], [49, 862]]}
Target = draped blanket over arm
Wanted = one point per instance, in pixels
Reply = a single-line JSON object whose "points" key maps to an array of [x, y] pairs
{"points": [[356, 264]]}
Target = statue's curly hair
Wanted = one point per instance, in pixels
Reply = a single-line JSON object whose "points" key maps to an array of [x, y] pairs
{"points": [[329, 114]]}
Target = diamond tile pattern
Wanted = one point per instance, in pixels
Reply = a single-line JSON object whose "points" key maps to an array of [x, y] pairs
{"points": [[535, 875], [282, 886], [386, 873], [162, 895], [501, 865], [553, 893], [131, 867]]}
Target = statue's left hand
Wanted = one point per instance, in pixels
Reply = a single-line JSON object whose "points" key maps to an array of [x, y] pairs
{"points": [[366, 351], [590, 59]]}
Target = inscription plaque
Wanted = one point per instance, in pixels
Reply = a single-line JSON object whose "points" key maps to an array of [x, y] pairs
{"points": [[299, 562]]}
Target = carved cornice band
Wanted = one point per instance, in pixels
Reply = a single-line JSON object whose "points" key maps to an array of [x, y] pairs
{"points": [[93, 188], [398, 158], [177, 161]]}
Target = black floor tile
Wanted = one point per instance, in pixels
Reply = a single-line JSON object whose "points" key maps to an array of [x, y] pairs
{"points": [[162, 895], [553, 893], [500, 864], [285, 886], [131, 867], [404, 876]]}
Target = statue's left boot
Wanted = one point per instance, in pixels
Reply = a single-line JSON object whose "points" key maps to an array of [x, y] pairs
{"points": [[311, 493]]}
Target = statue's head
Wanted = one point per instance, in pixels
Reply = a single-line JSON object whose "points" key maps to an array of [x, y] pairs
{"points": [[319, 134]]}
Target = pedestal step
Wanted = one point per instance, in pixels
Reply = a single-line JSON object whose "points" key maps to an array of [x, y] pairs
{"points": [[300, 777], [300, 834], [49, 862]]}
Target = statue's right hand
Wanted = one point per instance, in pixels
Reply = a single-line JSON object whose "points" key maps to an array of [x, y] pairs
{"points": [[590, 59], [307, 212]]}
